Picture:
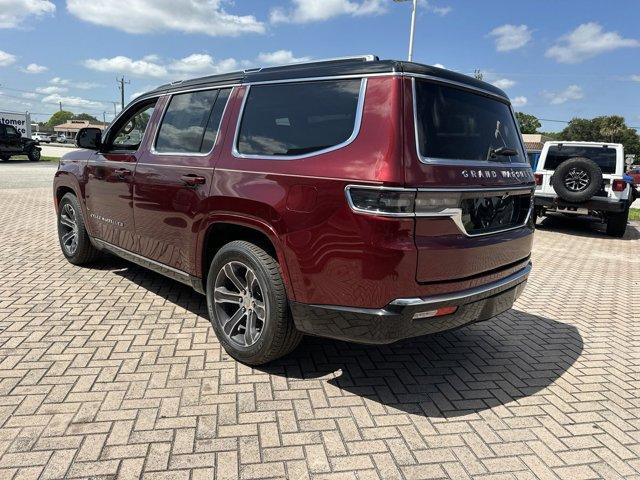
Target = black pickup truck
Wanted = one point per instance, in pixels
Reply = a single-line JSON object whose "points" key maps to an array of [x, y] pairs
{"points": [[12, 144]]}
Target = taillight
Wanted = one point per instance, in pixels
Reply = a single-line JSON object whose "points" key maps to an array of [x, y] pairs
{"points": [[381, 201], [619, 185], [398, 202], [538, 177]]}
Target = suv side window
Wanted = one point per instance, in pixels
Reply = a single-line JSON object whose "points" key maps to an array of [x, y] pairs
{"points": [[11, 131], [129, 131], [191, 122], [291, 119]]}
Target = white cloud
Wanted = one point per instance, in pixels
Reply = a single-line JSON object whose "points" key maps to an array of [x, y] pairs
{"points": [[280, 57], [51, 89], [71, 101], [13, 13], [29, 95], [202, 63], [635, 78], [438, 65], [192, 65], [504, 83], [572, 92], [207, 17], [305, 11], [125, 65], [34, 68], [519, 102], [587, 41], [442, 11], [79, 85], [511, 37], [6, 59]]}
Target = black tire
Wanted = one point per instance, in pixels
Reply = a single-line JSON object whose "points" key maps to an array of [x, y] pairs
{"points": [[278, 335], [577, 179], [617, 223], [34, 155], [83, 252]]}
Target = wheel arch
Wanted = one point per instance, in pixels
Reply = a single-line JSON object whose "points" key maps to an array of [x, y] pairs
{"points": [[227, 228]]}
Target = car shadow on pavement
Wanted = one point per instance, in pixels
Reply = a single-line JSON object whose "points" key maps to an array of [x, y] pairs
{"points": [[469, 370], [583, 227], [457, 373]]}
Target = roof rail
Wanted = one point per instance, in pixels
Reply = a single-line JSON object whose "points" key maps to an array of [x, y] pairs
{"points": [[364, 58]]}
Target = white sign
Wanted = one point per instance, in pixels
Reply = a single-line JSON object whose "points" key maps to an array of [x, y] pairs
{"points": [[22, 122]]}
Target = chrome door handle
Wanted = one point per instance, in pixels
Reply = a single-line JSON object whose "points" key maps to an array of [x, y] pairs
{"points": [[193, 180], [122, 173]]}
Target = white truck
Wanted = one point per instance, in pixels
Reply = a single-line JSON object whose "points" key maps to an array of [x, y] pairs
{"points": [[584, 178]]}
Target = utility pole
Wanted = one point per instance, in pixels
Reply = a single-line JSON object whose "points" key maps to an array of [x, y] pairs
{"points": [[115, 105], [104, 117], [412, 32], [477, 73], [121, 84], [60, 106]]}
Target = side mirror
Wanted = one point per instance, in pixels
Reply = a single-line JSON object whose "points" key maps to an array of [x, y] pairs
{"points": [[90, 138]]}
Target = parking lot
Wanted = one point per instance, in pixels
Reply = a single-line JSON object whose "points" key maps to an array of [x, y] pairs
{"points": [[114, 371]]}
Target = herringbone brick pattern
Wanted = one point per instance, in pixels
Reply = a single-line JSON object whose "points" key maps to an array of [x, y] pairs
{"points": [[114, 371]]}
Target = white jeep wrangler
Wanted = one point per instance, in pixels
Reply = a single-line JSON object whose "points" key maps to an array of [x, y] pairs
{"points": [[584, 178]]}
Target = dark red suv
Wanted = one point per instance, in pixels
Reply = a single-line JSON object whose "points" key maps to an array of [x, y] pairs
{"points": [[356, 199]]}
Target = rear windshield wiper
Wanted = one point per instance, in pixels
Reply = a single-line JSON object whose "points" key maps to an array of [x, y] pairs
{"points": [[502, 152]]}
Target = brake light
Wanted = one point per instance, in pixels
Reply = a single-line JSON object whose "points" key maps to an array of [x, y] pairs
{"points": [[399, 202], [538, 177], [619, 185]]}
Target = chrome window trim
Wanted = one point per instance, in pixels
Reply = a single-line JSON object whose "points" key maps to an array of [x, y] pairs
{"points": [[188, 154], [453, 161], [354, 134], [455, 214]]}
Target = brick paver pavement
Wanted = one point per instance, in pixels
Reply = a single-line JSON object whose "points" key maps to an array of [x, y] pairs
{"points": [[114, 371]]}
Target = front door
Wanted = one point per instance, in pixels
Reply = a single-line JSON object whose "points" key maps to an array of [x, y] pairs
{"points": [[174, 176], [109, 187], [10, 140]]}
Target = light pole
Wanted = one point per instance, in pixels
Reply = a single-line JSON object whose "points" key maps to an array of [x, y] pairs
{"points": [[413, 25]]}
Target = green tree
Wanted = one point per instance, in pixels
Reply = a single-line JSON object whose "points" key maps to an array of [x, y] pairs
{"points": [[528, 123], [85, 116], [603, 129], [59, 117]]}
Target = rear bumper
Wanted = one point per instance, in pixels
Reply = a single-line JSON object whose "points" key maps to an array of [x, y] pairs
{"points": [[395, 321], [595, 203]]}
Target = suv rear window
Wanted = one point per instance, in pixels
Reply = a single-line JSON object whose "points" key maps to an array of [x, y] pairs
{"points": [[292, 119], [604, 157], [456, 124]]}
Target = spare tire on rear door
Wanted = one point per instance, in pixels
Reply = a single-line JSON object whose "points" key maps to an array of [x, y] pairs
{"points": [[577, 179]]}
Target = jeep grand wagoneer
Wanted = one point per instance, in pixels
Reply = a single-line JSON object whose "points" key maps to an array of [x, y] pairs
{"points": [[356, 199]]}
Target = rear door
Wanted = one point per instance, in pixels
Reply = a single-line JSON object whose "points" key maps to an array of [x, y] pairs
{"points": [[174, 176], [109, 183]]}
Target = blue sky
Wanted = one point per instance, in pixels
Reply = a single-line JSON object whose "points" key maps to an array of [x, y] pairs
{"points": [[555, 59]]}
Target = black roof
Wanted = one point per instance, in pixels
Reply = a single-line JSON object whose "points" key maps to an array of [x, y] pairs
{"points": [[327, 68]]}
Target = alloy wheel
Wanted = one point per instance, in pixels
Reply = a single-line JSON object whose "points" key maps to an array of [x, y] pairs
{"points": [[68, 229], [576, 180], [240, 304]]}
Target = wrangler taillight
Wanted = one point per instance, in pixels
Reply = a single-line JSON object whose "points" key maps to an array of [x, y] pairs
{"points": [[538, 177], [619, 185]]}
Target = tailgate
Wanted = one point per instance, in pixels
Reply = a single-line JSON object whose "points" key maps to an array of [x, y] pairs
{"points": [[488, 231]]}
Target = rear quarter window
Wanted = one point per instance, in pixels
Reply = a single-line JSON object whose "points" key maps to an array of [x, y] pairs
{"points": [[291, 119], [605, 158]]}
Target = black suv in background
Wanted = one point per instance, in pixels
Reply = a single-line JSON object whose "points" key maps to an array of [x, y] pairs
{"points": [[12, 144]]}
